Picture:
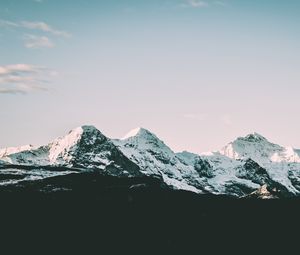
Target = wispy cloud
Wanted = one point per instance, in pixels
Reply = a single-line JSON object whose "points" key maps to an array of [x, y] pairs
{"points": [[201, 3], [42, 26], [36, 42], [7, 23], [221, 3], [23, 78], [194, 4], [37, 25]]}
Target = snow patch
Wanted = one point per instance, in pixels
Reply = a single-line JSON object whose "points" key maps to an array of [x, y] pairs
{"points": [[132, 133], [12, 150]]}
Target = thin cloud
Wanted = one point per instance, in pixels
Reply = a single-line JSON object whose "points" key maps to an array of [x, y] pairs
{"points": [[21, 89], [201, 3], [23, 79], [38, 26], [18, 68], [11, 91], [37, 42], [221, 3], [6, 23], [194, 4], [42, 26]]}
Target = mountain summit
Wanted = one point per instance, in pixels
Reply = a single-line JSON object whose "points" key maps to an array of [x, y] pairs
{"points": [[154, 157], [254, 137], [138, 132], [258, 148], [240, 168], [83, 147]]}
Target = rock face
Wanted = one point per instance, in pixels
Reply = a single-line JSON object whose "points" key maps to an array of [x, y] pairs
{"points": [[12, 150], [259, 149], [83, 147], [241, 168], [155, 158], [253, 171], [280, 162]]}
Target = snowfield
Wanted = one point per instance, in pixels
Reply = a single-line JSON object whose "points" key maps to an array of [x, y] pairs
{"points": [[248, 165]]}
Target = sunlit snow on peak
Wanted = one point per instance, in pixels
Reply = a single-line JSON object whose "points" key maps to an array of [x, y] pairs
{"points": [[84, 128], [11, 150], [137, 132], [132, 133], [254, 137]]}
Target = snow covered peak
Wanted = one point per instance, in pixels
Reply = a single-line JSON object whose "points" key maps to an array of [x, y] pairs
{"points": [[11, 150], [252, 146], [143, 139], [138, 132], [154, 157], [64, 144], [244, 165], [86, 130], [287, 154], [258, 148], [89, 128], [82, 129], [131, 133], [254, 137], [62, 147]]}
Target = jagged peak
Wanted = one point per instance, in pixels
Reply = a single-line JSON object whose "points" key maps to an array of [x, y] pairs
{"points": [[80, 131], [84, 128], [12, 150], [145, 139], [89, 128], [138, 132], [253, 137], [72, 139]]}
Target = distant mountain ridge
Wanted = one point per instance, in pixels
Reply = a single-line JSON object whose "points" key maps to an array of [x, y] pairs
{"points": [[260, 149], [247, 165]]}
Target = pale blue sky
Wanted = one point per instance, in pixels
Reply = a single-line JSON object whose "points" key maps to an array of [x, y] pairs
{"points": [[196, 73]]}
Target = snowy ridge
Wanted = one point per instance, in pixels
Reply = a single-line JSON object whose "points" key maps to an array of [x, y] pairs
{"points": [[277, 160], [155, 158], [259, 149], [29, 175], [83, 147], [248, 165], [287, 154], [52, 154], [12, 150], [134, 132], [60, 146]]}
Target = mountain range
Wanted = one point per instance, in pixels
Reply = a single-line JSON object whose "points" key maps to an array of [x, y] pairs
{"points": [[250, 166]]}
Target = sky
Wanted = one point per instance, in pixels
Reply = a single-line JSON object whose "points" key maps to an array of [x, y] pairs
{"points": [[196, 73]]}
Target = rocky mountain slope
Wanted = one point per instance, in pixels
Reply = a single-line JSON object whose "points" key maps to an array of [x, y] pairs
{"points": [[248, 165], [83, 147]]}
